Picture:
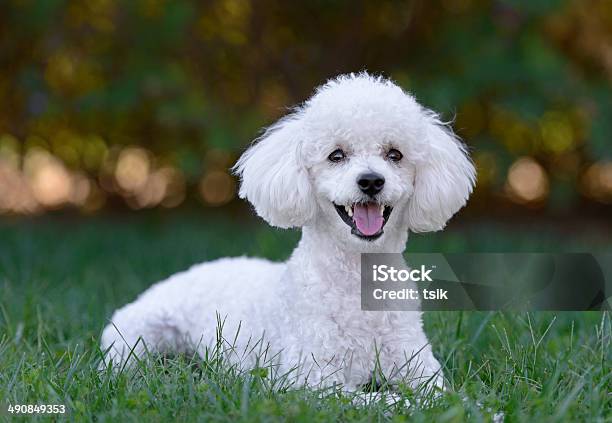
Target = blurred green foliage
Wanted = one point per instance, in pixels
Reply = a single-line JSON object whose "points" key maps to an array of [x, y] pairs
{"points": [[192, 82]]}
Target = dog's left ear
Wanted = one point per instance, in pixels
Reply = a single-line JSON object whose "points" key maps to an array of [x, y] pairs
{"points": [[444, 179], [274, 178]]}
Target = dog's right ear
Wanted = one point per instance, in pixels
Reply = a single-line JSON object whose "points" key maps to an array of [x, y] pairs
{"points": [[274, 178]]}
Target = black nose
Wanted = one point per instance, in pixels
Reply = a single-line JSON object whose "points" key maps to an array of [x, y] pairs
{"points": [[371, 183]]}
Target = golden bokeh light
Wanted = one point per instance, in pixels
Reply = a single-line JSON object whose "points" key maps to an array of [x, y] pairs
{"points": [[518, 136], [81, 188], [596, 182], [94, 152], [15, 193], [95, 199], [557, 132], [527, 181], [175, 187], [49, 179], [132, 170], [217, 188], [164, 186], [67, 145], [153, 192]]}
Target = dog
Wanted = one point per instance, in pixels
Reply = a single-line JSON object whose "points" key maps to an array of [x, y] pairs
{"points": [[357, 167]]}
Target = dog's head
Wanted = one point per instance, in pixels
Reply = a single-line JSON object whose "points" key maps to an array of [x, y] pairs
{"points": [[362, 158]]}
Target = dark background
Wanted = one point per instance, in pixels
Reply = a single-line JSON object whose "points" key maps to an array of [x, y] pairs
{"points": [[112, 106]]}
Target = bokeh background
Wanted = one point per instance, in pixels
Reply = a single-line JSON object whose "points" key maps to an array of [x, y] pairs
{"points": [[109, 105]]}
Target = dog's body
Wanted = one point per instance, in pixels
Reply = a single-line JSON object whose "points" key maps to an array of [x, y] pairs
{"points": [[360, 156]]}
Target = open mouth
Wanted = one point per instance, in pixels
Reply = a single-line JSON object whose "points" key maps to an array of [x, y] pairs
{"points": [[366, 220]]}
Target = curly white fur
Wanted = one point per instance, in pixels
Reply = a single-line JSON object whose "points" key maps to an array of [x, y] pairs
{"points": [[308, 309]]}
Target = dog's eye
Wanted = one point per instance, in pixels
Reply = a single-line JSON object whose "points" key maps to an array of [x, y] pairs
{"points": [[394, 155], [336, 156]]}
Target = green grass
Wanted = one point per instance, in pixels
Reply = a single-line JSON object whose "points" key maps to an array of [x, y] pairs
{"points": [[61, 278]]}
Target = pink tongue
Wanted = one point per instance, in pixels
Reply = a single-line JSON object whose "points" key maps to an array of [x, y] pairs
{"points": [[368, 218]]}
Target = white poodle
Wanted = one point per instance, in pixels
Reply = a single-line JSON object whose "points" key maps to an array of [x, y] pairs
{"points": [[357, 167]]}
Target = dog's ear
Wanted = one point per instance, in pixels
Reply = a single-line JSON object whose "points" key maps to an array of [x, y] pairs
{"points": [[444, 178], [273, 176]]}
